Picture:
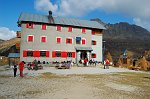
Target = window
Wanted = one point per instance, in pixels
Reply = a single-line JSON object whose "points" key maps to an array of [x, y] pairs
{"points": [[43, 53], [30, 25], [78, 40], [83, 41], [68, 40], [93, 32], [69, 54], [83, 30], [69, 29], [93, 42], [58, 28], [58, 53], [58, 40], [29, 53], [93, 55], [44, 27], [43, 39], [30, 38]]}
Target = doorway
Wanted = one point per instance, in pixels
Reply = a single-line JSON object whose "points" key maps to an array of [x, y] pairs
{"points": [[83, 55]]}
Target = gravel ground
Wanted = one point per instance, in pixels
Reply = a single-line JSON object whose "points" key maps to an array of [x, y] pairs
{"points": [[75, 83]]}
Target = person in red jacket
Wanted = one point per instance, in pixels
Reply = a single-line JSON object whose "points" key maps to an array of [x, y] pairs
{"points": [[106, 64], [21, 67]]}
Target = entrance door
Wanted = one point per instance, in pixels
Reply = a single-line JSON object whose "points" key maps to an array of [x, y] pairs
{"points": [[83, 55]]}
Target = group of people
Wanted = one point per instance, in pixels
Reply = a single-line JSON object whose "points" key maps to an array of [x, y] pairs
{"points": [[21, 68]]}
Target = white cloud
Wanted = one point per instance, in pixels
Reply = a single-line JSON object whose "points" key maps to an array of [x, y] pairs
{"points": [[6, 34], [137, 9], [45, 5]]}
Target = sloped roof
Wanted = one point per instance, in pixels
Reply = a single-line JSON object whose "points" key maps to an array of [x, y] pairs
{"points": [[84, 48], [27, 17], [14, 55]]}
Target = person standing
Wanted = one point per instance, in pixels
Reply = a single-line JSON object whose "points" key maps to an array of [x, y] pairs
{"points": [[15, 69], [21, 67], [106, 64]]}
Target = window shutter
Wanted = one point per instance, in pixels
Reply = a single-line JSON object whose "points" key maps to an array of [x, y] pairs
{"points": [[34, 53], [94, 42], [64, 54], [69, 29], [93, 32], [83, 41], [43, 26], [73, 54], [24, 53], [66, 40], [83, 30], [54, 54], [32, 25], [47, 53], [58, 28], [30, 38], [27, 25], [71, 41]]}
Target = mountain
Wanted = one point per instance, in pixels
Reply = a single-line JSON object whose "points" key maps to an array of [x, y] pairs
{"points": [[1, 40], [121, 36], [126, 31], [8, 46]]}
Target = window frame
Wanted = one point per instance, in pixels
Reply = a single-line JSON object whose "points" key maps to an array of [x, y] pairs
{"points": [[42, 27], [57, 28], [41, 39], [28, 38], [60, 40], [70, 39], [82, 41]]}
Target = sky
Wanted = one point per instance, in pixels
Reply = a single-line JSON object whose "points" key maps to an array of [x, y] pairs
{"points": [[109, 11]]}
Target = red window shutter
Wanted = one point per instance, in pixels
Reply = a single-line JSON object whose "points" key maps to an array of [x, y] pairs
{"points": [[58, 40], [83, 41], [30, 38], [71, 41], [54, 54], [32, 25], [94, 55], [27, 25], [36, 54], [58, 28], [63, 54], [93, 32], [69, 29], [43, 39], [94, 42], [73, 54], [66, 40], [24, 53], [47, 53], [83, 30], [43, 26]]}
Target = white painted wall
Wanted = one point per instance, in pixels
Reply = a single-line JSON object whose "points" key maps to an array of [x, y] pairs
{"points": [[98, 47]]}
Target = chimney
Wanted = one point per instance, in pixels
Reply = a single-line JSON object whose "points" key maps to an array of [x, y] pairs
{"points": [[50, 13], [50, 17]]}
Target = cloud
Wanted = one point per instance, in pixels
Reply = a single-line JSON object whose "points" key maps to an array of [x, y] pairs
{"points": [[45, 5], [6, 34], [137, 9]]}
